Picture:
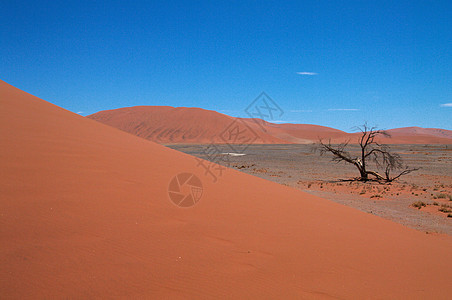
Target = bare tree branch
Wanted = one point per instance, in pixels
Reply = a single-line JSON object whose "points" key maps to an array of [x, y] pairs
{"points": [[371, 151]]}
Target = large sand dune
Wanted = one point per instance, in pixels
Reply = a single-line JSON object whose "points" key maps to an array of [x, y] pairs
{"points": [[165, 124], [84, 213], [173, 125]]}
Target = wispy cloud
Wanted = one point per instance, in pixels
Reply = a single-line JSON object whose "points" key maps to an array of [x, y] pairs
{"points": [[80, 112], [343, 109], [300, 110], [446, 105], [307, 73]]}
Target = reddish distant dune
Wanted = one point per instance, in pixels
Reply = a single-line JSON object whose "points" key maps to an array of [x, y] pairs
{"points": [[165, 124], [174, 125], [85, 213]]}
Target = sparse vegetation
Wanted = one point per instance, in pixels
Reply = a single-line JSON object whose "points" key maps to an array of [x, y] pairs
{"points": [[418, 204], [443, 196], [376, 196], [445, 208], [243, 166]]}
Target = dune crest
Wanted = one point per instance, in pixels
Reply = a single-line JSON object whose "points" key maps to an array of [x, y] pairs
{"points": [[85, 213]]}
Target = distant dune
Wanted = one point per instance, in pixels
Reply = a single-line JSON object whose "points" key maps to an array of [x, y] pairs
{"points": [[165, 124], [85, 213], [170, 125]]}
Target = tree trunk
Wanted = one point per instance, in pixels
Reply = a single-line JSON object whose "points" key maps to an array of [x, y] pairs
{"points": [[364, 175], [362, 170]]}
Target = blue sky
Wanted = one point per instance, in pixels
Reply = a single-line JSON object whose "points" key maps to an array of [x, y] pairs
{"points": [[385, 62]]}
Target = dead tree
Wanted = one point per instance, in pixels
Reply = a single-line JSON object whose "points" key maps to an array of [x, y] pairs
{"points": [[370, 151], [393, 162]]}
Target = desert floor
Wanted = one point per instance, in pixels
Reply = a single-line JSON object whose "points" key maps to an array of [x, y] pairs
{"points": [[301, 167]]}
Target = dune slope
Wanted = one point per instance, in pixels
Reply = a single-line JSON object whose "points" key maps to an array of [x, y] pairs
{"points": [[165, 124], [84, 213]]}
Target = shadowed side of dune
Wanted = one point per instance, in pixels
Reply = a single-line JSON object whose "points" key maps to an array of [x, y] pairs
{"points": [[85, 213]]}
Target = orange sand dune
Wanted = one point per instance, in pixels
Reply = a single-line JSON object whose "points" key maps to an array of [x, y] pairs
{"points": [[301, 133], [167, 125], [405, 131], [405, 137], [85, 213]]}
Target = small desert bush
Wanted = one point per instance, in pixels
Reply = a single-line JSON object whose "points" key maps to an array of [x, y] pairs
{"points": [[443, 196], [445, 208], [418, 204], [376, 196], [435, 203], [449, 215]]}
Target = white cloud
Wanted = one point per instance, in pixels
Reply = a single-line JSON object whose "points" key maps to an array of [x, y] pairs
{"points": [[446, 105], [80, 112], [343, 109], [307, 73], [300, 110]]}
